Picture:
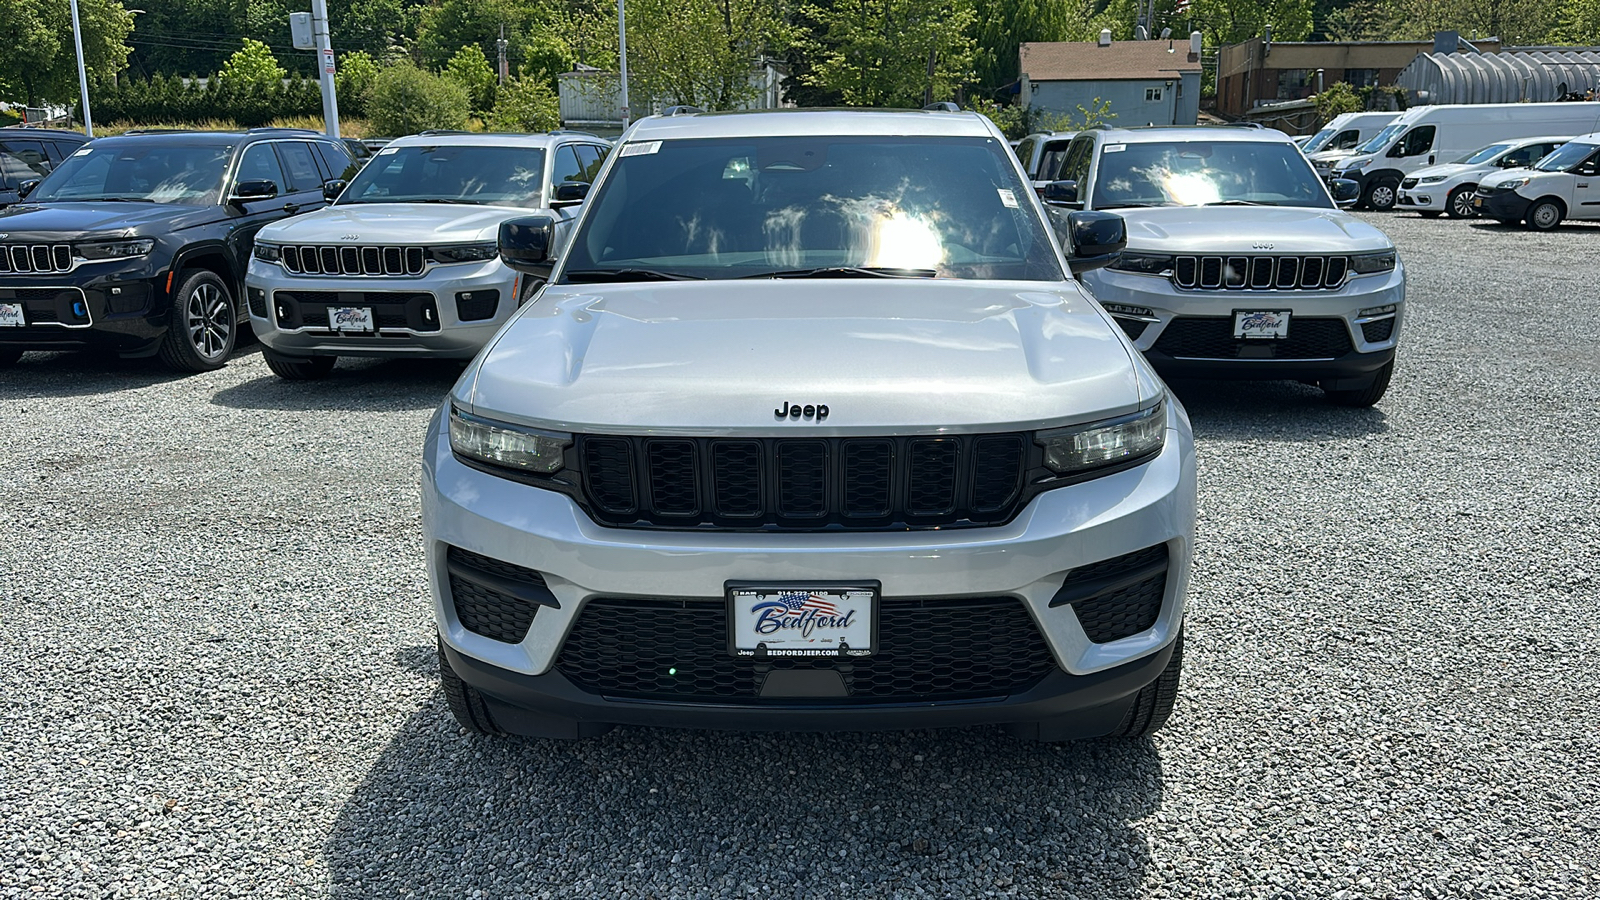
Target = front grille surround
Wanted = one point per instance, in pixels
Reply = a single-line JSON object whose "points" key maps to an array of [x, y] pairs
{"points": [[36, 259], [60, 307], [1211, 337], [1260, 273], [351, 259], [392, 311]]}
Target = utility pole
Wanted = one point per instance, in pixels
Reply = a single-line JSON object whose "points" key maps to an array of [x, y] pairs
{"points": [[83, 78], [622, 44], [330, 103], [502, 66]]}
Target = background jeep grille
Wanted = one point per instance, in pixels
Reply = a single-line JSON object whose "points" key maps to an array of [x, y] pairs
{"points": [[1260, 273], [346, 259], [41, 259]]}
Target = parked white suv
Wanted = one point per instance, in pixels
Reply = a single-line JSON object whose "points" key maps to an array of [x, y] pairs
{"points": [[1449, 188], [810, 429], [404, 262], [1239, 264]]}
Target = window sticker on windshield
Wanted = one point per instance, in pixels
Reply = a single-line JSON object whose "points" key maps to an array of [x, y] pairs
{"points": [[387, 150], [1006, 197], [1114, 148], [643, 148], [84, 152]]}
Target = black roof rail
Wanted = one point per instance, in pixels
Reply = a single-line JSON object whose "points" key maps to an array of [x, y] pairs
{"points": [[443, 131], [681, 110], [942, 106], [572, 131], [1243, 124], [264, 129], [160, 131]]}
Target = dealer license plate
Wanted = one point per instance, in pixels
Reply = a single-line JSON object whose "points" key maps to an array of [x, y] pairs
{"points": [[803, 621], [11, 315], [350, 318], [1477, 201], [1261, 324]]}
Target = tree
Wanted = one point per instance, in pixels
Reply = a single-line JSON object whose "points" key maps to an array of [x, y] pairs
{"points": [[405, 100], [1232, 21], [877, 52], [526, 104], [39, 64], [253, 65], [470, 68], [354, 78], [701, 52], [1336, 99]]}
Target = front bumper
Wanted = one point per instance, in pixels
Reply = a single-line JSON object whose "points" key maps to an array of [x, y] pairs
{"points": [[1424, 197], [118, 306], [1027, 559], [1350, 364], [1509, 206], [444, 334]]}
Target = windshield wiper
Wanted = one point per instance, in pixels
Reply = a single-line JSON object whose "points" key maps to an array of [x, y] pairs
{"points": [[847, 272], [441, 200], [1135, 206], [1235, 203], [589, 276]]}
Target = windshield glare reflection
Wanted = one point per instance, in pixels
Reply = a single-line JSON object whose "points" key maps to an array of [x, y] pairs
{"points": [[1198, 173]]}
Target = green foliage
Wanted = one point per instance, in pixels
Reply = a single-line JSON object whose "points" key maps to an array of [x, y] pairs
{"points": [[701, 52], [37, 60], [253, 66], [525, 104], [1013, 121], [169, 100], [1098, 112], [352, 81], [1232, 21], [470, 68], [405, 100], [876, 52], [1336, 99], [1001, 26]]}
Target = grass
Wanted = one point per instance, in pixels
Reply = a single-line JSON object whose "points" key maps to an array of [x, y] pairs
{"points": [[351, 128]]}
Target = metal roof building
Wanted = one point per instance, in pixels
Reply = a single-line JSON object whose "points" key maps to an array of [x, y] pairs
{"points": [[1511, 76]]}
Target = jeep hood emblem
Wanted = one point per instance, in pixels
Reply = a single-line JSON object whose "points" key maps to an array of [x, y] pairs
{"points": [[796, 411], [350, 237]]}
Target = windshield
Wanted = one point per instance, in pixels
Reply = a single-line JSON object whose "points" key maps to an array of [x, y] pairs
{"points": [[1318, 140], [847, 206], [487, 176], [1565, 157], [1485, 155], [187, 174], [1205, 173], [1381, 139]]}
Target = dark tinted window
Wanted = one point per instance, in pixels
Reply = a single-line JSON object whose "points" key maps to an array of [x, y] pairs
{"points": [[260, 163], [338, 159], [1076, 166], [22, 161], [1053, 160], [485, 176], [1417, 141], [1346, 139], [135, 169], [590, 157], [300, 166], [567, 166]]}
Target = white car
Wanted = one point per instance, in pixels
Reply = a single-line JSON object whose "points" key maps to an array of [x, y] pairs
{"points": [[1450, 188], [811, 428], [404, 263], [1563, 185]]}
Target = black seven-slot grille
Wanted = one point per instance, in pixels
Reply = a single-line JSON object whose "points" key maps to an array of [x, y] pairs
{"points": [[927, 650], [1211, 337], [415, 310], [353, 260], [805, 483], [1260, 273], [35, 259]]}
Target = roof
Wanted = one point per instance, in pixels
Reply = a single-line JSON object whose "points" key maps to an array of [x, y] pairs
{"points": [[1166, 133], [812, 123], [1117, 61], [481, 139]]}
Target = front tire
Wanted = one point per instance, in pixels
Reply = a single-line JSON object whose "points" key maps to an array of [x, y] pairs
{"points": [[1367, 396], [1459, 203], [466, 704], [299, 368], [9, 357], [204, 324], [1380, 195], [1152, 706], [1545, 215]]}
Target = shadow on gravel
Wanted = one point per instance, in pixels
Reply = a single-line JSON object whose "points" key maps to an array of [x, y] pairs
{"points": [[357, 384], [89, 372], [663, 813], [1271, 411]]}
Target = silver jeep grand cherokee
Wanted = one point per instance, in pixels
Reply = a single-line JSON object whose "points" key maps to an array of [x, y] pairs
{"points": [[810, 428]]}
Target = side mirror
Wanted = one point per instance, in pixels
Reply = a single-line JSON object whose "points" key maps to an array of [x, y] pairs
{"points": [[1346, 191], [1062, 192], [568, 193], [332, 188], [527, 245], [1095, 239], [26, 187], [253, 190], [1397, 151]]}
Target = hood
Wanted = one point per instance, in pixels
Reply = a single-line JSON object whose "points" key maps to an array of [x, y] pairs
{"points": [[68, 221], [400, 223], [1494, 180], [885, 356], [1450, 170], [1244, 229], [1329, 157]]}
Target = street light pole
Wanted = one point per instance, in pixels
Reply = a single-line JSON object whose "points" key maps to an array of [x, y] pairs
{"points": [[83, 78], [330, 103], [622, 43]]}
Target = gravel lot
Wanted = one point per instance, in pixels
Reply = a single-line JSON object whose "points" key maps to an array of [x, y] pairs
{"points": [[219, 657]]}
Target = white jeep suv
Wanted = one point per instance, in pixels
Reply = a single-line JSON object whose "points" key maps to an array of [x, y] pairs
{"points": [[810, 428], [1239, 264], [404, 262]]}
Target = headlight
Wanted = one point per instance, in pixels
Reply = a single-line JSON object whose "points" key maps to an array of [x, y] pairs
{"points": [[1432, 179], [268, 252], [1513, 184], [1144, 263], [465, 252], [102, 250], [512, 446], [1083, 447], [1372, 263]]}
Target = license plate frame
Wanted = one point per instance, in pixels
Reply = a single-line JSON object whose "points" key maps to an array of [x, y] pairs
{"points": [[1246, 328], [861, 597], [351, 319], [12, 315]]}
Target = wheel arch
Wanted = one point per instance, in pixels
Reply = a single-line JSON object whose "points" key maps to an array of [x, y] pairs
{"points": [[213, 257]]}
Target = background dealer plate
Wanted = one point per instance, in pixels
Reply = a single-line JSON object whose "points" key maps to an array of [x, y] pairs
{"points": [[802, 620], [350, 318], [11, 315], [1260, 324]]}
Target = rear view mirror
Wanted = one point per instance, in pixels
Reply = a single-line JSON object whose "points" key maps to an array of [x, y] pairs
{"points": [[1094, 239], [569, 192], [1345, 191], [526, 245], [26, 187], [255, 190], [332, 189]]}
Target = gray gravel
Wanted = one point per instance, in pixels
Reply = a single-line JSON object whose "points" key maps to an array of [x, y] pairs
{"points": [[219, 655]]}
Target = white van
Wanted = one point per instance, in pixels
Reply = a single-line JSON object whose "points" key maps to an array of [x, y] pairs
{"points": [[1563, 185], [1427, 135], [1342, 135], [1449, 188]]}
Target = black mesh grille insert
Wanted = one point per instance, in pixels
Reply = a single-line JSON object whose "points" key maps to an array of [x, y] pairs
{"points": [[868, 476], [1379, 331], [996, 472], [802, 478], [1211, 337], [472, 306], [736, 478], [672, 477], [928, 650], [414, 310], [932, 488], [608, 464], [1132, 328], [489, 612], [1124, 608]]}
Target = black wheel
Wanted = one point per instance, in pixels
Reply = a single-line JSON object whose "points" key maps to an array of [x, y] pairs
{"points": [[1545, 215], [1152, 707], [1368, 395], [1430, 213], [1380, 195], [9, 356], [204, 324], [466, 704], [1459, 203], [299, 368]]}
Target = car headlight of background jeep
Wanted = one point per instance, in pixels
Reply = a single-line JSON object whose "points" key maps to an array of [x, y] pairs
{"points": [[1432, 179], [100, 251], [460, 253], [1080, 448], [268, 252], [506, 445], [1372, 263], [1145, 263]]}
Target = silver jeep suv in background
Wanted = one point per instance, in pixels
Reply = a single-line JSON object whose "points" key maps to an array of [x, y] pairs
{"points": [[1239, 264], [404, 263], [809, 429]]}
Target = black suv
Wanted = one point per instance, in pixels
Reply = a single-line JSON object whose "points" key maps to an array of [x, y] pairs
{"points": [[29, 154], [138, 244]]}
